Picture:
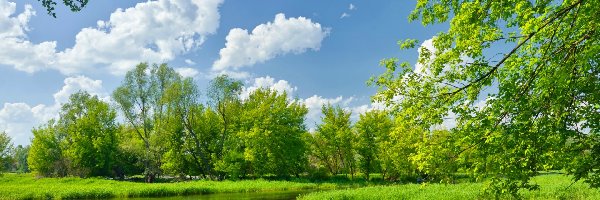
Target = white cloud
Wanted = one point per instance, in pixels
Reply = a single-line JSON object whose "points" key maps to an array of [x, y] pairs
{"points": [[153, 31], [351, 7], [268, 83], [80, 83], [17, 119], [187, 72], [314, 105], [344, 15], [189, 62], [267, 41], [15, 49]]}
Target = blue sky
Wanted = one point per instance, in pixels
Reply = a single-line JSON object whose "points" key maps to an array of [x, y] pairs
{"points": [[319, 51]]}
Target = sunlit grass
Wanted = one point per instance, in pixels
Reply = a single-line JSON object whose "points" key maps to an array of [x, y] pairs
{"points": [[25, 186], [553, 186]]}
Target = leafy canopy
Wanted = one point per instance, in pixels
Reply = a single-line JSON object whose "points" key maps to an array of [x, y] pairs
{"points": [[521, 76]]}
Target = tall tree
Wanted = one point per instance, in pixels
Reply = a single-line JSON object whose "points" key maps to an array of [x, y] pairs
{"points": [[193, 131], [90, 130], [333, 140], [542, 59], [223, 94], [272, 128], [141, 100], [373, 128]]}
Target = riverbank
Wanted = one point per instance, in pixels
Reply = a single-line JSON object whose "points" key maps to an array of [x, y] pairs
{"points": [[552, 186], [26, 186]]}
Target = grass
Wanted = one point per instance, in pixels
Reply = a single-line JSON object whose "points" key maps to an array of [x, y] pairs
{"points": [[552, 186], [25, 186]]}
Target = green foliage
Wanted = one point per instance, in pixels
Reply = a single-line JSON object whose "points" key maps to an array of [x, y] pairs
{"points": [[373, 129], [20, 155], [91, 141], [45, 156], [544, 114], [272, 130], [553, 187], [5, 151], [223, 94], [192, 132], [143, 101], [24, 186], [332, 144], [82, 142]]}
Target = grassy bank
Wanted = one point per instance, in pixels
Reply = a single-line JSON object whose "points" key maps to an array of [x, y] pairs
{"points": [[25, 186], [551, 187]]}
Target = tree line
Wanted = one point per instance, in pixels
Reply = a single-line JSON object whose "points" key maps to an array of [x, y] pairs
{"points": [[166, 129]]}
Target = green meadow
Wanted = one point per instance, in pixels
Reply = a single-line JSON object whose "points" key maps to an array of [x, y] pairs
{"points": [[26, 186], [552, 186]]}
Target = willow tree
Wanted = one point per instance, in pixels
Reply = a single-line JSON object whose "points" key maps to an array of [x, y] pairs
{"points": [[223, 96], [522, 79], [141, 99]]}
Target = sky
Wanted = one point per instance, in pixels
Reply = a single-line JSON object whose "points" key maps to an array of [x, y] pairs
{"points": [[318, 51]]}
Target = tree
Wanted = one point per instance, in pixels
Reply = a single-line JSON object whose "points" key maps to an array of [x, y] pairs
{"points": [[223, 94], [193, 131], [46, 156], [90, 130], [5, 151], [272, 127], [373, 128], [20, 155], [333, 141], [546, 108], [74, 5], [141, 99], [82, 142]]}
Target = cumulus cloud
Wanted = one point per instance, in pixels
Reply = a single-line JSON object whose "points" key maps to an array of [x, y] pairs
{"points": [[187, 72], [268, 82], [153, 31], [267, 41], [17, 119], [15, 49]]}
